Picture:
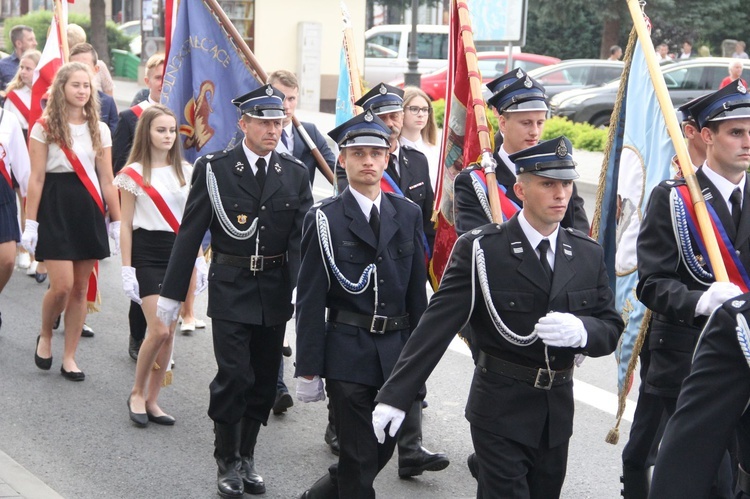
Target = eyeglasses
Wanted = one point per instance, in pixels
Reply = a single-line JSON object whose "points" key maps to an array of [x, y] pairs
{"points": [[417, 109]]}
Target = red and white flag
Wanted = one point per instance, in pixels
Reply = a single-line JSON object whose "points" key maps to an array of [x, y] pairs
{"points": [[53, 56]]}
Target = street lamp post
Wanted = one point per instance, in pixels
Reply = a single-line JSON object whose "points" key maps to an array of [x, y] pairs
{"points": [[412, 76]]}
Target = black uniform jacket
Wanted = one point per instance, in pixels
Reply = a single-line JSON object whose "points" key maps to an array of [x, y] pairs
{"points": [[470, 215], [234, 293], [348, 353], [521, 295], [670, 290], [304, 154], [122, 140], [712, 404], [414, 183]]}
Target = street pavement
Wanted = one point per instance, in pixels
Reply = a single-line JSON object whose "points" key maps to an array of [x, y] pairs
{"points": [[74, 440]]}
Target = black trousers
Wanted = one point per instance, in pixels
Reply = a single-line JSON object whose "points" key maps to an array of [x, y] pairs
{"points": [[508, 469], [248, 358], [361, 457], [137, 321], [648, 425]]}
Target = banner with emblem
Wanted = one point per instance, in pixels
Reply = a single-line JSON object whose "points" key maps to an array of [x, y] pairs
{"points": [[460, 143], [203, 72], [638, 158], [350, 84]]}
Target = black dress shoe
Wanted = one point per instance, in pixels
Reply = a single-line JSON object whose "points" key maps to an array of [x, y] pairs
{"points": [[420, 462], [286, 350], [86, 331], [40, 277], [72, 375], [139, 418], [164, 419], [471, 462], [134, 346], [425, 405], [332, 440], [41, 362], [283, 402], [57, 322]]}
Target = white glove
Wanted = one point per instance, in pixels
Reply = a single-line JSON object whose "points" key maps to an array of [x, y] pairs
{"points": [[310, 390], [294, 296], [114, 233], [558, 329], [715, 295], [130, 284], [30, 236], [167, 310], [201, 278], [384, 414]]}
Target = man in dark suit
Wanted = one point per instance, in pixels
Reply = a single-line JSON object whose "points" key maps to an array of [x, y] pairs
{"points": [[293, 143], [504, 279], [675, 281], [122, 142], [351, 332], [521, 108], [253, 200], [86, 54]]}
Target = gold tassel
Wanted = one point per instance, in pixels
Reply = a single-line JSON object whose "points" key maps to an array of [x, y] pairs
{"points": [[167, 376]]}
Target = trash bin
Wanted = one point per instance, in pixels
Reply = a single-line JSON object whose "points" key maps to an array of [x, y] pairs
{"points": [[118, 61], [132, 62]]}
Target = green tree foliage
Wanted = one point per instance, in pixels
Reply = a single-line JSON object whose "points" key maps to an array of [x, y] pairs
{"points": [[40, 21]]}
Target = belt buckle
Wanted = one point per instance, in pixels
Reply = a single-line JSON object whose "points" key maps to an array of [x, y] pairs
{"points": [[256, 263], [544, 379], [378, 324]]}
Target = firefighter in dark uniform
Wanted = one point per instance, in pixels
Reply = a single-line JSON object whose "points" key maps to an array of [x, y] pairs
{"points": [[521, 109], [253, 200], [536, 295], [361, 292], [408, 168], [675, 281]]}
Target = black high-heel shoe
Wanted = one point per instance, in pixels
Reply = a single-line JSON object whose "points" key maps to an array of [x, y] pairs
{"points": [[41, 362], [139, 418]]}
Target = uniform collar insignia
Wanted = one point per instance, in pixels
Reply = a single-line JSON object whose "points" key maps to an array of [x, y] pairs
{"points": [[517, 247], [239, 167], [277, 167], [738, 303]]}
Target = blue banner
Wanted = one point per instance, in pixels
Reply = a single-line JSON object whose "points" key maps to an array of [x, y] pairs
{"points": [[344, 106], [204, 72]]}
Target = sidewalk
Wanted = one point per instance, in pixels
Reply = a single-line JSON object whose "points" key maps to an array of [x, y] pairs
{"points": [[16, 482]]}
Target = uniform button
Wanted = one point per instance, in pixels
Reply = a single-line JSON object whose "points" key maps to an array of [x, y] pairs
{"points": [[351, 256], [661, 341], [585, 302], [382, 305], [381, 281], [552, 358], [262, 227], [737, 251], [286, 205], [380, 259], [235, 205], [262, 248], [262, 208], [484, 370], [399, 252], [212, 274], [512, 304]]}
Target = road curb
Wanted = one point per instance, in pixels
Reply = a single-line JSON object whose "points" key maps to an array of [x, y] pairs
{"points": [[22, 481]]}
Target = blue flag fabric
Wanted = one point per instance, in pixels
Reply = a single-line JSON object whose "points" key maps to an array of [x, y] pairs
{"points": [[344, 101], [204, 72], [641, 158]]}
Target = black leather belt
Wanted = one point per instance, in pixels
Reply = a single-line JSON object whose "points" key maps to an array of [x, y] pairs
{"points": [[743, 480], [256, 263], [538, 378], [377, 324]]}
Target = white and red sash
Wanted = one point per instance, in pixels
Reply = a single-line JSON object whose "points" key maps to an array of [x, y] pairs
{"points": [[158, 200], [85, 170], [140, 107], [22, 108]]}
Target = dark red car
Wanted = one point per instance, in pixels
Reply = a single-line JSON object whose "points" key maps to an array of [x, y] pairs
{"points": [[491, 65]]}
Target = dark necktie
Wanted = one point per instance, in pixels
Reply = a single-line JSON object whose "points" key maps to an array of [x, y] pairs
{"points": [[736, 200], [260, 176], [375, 221], [392, 169], [543, 247], [285, 140]]}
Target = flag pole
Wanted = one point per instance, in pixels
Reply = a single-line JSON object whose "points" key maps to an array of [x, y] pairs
{"points": [[355, 82], [488, 163], [686, 165], [62, 27], [263, 78]]}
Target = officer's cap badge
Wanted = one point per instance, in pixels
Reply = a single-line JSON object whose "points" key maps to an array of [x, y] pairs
{"points": [[382, 89], [269, 91], [528, 83], [741, 88], [242, 219], [562, 149]]}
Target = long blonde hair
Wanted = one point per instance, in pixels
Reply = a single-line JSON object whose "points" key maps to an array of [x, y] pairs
{"points": [[56, 113], [141, 150], [16, 82], [429, 132]]}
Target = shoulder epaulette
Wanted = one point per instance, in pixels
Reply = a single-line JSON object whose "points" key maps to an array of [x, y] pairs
{"points": [[579, 234], [324, 202], [740, 303], [484, 230], [213, 156], [289, 157], [672, 182], [398, 197]]}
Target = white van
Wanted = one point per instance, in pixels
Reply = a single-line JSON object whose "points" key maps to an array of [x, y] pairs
{"points": [[387, 50]]}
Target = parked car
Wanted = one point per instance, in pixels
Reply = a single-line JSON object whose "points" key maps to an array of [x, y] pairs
{"points": [[576, 73], [387, 47], [491, 65], [132, 29], [685, 81]]}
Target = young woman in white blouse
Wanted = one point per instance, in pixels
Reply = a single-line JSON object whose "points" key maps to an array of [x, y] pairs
{"points": [[154, 190], [70, 189], [420, 129]]}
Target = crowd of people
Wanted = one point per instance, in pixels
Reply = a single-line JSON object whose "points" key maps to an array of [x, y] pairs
{"points": [[351, 269]]}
